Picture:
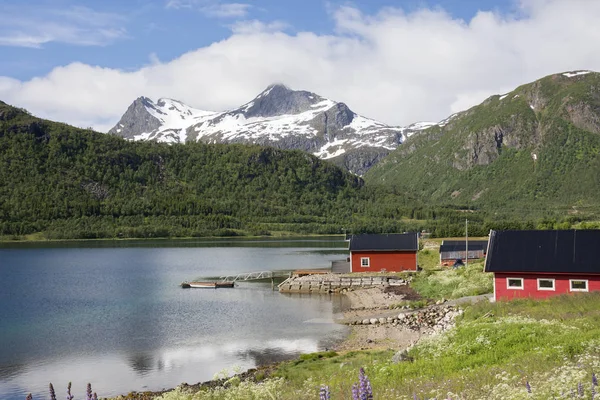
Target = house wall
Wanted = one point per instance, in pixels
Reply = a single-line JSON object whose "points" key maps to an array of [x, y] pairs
{"points": [[530, 289], [386, 260], [449, 257]]}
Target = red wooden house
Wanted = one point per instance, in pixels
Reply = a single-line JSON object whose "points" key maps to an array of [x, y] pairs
{"points": [[391, 252], [539, 264]]}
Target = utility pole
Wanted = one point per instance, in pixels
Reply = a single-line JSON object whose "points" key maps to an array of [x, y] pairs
{"points": [[466, 243]]}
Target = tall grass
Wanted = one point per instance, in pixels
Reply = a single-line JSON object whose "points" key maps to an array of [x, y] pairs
{"points": [[451, 283]]}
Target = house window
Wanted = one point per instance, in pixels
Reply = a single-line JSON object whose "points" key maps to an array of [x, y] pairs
{"points": [[365, 262], [545, 284], [579, 285], [514, 283]]}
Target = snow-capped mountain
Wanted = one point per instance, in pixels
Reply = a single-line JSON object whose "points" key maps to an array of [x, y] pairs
{"points": [[278, 117]]}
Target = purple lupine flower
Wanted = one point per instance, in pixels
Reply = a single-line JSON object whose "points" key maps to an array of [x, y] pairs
{"points": [[69, 395], [594, 379], [528, 386], [323, 393], [415, 396], [355, 392], [363, 389], [89, 392], [580, 389], [362, 384], [369, 390], [52, 393]]}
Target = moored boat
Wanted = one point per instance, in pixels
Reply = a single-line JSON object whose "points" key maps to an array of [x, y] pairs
{"points": [[207, 285]]}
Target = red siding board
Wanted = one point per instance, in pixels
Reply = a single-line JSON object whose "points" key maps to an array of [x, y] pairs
{"points": [[385, 261], [530, 289]]}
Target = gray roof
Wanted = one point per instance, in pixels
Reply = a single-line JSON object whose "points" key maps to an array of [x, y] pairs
{"points": [[385, 242]]}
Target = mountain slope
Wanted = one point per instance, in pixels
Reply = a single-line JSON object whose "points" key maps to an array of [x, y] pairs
{"points": [[74, 183], [277, 117], [533, 148]]}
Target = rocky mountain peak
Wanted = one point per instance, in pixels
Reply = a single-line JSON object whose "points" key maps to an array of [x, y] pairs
{"points": [[278, 99], [137, 119], [279, 116]]}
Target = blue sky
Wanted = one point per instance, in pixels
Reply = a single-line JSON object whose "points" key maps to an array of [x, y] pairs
{"points": [[143, 29], [403, 61]]}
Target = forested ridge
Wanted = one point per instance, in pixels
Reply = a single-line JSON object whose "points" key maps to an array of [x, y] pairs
{"points": [[60, 182], [72, 183]]}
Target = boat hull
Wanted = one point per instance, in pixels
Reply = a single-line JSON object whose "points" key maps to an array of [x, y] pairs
{"points": [[206, 285]]}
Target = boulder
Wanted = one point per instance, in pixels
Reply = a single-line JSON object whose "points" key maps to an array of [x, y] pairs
{"points": [[401, 356]]}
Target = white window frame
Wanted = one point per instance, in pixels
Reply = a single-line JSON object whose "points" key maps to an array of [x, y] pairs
{"points": [[587, 285], [552, 289], [515, 287], [368, 262]]}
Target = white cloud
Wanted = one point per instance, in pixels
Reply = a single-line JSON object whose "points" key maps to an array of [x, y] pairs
{"points": [[212, 8], [227, 10], [393, 66], [254, 27], [36, 26]]}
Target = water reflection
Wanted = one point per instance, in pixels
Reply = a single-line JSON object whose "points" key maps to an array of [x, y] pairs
{"points": [[10, 370], [112, 374], [143, 363], [116, 317]]}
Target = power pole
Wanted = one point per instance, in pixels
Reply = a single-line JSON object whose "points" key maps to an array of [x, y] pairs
{"points": [[466, 243]]}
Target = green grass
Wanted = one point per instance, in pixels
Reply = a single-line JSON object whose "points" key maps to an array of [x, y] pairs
{"points": [[429, 258], [452, 283]]}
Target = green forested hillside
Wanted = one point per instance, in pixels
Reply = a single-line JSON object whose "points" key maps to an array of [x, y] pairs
{"points": [[529, 154], [73, 183], [528, 159]]}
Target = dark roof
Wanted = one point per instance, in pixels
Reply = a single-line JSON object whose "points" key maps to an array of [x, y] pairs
{"points": [[457, 242], [544, 251], [389, 242], [459, 245]]}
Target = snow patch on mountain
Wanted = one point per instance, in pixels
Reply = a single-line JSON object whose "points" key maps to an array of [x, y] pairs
{"points": [[575, 73], [279, 116], [445, 121], [332, 149]]}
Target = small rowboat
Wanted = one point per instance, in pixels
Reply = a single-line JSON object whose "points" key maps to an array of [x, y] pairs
{"points": [[207, 285]]}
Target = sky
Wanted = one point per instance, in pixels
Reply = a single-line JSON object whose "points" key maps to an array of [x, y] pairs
{"points": [[399, 62]]}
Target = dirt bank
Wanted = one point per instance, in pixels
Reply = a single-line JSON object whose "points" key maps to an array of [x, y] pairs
{"points": [[375, 303]]}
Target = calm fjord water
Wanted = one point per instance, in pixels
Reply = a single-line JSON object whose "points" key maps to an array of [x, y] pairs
{"points": [[112, 313]]}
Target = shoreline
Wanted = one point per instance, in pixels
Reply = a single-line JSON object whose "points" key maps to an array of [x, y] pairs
{"points": [[362, 303], [292, 236]]}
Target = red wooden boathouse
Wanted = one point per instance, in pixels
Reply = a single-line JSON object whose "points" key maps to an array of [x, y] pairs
{"points": [[377, 253], [540, 264]]}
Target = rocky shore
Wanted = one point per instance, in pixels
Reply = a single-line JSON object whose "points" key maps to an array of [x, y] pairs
{"points": [[376, 326]]}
